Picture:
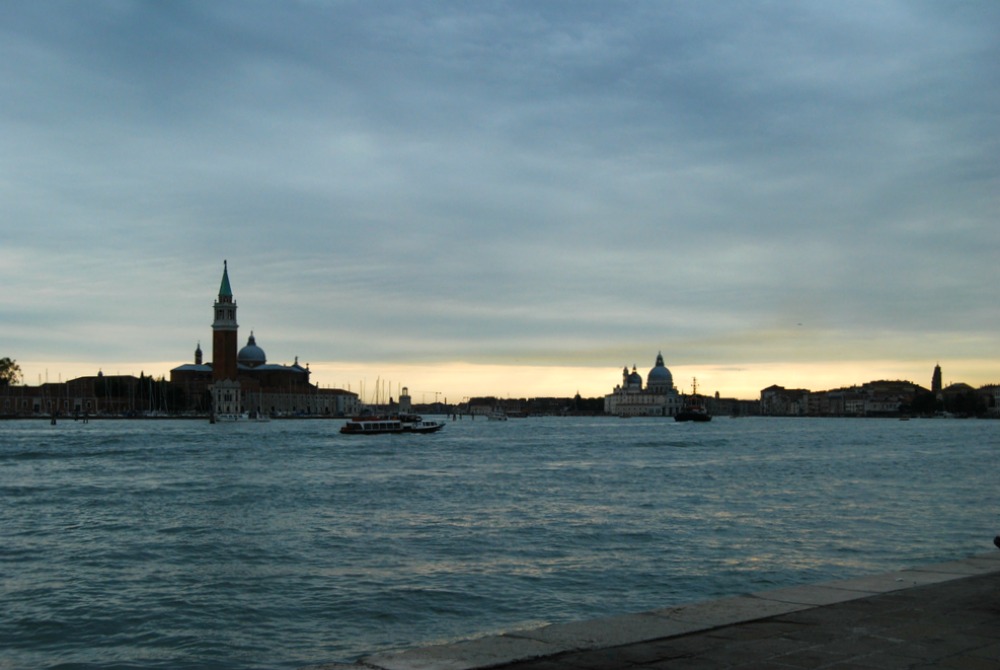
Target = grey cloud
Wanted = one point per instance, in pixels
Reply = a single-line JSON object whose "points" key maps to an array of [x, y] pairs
{"points": [[581, 169]]}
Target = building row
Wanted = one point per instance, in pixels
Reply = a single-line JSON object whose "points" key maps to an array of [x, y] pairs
{"points": [[241, 382], [235, 383], [659, 397], [884, 398]]}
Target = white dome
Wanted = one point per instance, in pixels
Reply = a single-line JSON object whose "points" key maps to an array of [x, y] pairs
{"points": [[660, 376]]}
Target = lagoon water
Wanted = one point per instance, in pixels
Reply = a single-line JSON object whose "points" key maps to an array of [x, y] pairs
{"points": [[179, 544]]}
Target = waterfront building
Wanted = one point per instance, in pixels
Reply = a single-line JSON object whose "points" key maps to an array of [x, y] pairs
{"points": [[778, 401], [92, 395], [658, 398], [875, 398], [991, 399], [234, 382], [243, 382]]}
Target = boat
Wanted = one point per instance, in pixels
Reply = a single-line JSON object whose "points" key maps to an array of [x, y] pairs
{"points": [[693, 410], [380, 425], [693, 413], [241, 417]]}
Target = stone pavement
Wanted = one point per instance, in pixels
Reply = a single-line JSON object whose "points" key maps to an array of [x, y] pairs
{"points": [[938, 616]]}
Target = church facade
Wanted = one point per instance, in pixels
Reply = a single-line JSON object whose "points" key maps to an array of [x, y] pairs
{"points": [[238, 382], [659, 397]]}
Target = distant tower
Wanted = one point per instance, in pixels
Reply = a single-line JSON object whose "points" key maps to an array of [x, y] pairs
{"points": [[405, 402], [224, 330], [225, 388], [197, 354], [936, 380]]}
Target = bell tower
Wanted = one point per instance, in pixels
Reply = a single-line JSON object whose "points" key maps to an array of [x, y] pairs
{"points": [[224, 330], [226, 398]]}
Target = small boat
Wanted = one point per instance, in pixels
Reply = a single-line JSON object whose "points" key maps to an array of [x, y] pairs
{"points": [[693, 410], [380, 425]]}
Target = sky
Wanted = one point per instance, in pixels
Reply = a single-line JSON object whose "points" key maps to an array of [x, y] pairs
{"points": [[505, 198]]}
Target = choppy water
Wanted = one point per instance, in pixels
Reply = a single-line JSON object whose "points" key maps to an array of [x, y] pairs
{"points": [[146, 544]]}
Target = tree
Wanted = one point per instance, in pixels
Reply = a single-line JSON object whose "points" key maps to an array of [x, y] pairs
{"points": [[10, 372]]}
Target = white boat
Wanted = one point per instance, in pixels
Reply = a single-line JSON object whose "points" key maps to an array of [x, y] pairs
{"points": [[380, 425]]}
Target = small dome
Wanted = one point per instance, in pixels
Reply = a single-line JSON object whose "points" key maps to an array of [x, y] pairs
{"points": [[251, 355]]}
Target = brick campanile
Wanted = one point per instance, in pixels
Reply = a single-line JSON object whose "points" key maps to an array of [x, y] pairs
{"points": [[224, 332]]}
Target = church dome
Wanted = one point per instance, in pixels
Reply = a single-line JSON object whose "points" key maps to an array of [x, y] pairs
{"points": [[660, 376], [251, 355]]}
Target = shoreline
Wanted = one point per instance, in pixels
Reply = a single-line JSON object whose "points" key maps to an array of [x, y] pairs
{"points": [[718, 629]]}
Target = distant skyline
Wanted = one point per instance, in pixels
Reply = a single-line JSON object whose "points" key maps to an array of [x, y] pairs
{"points": [[514, 198]]}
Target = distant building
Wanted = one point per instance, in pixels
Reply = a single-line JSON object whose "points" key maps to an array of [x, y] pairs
{"points": [[778, 401], [238, 382], [234, 382], [991, 399], [875, 398], [95, 395], [936, 381], [658, 398]]}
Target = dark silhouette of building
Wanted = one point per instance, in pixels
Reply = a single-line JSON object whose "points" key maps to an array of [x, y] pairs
{"points": [[243, 382]]}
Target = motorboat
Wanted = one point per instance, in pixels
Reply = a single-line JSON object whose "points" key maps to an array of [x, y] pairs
{"points": [[693, 410], [380, 425]]}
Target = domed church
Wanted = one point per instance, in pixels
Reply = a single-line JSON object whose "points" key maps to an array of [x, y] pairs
{"points": [[658, 398], [243, 382]]}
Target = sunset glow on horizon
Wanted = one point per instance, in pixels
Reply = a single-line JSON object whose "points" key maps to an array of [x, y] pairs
{"points": [[456, 382]]}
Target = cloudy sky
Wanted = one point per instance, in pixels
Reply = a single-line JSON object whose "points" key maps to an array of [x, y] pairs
{"points": [[517, 198]]}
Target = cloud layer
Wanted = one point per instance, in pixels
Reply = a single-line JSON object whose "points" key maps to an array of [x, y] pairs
{"points": [[562, 183]]}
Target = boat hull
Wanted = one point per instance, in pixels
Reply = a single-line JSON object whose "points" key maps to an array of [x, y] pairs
{"points": [[692, 416]]}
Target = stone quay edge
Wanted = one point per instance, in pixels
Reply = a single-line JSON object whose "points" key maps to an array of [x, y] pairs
{"points": [[595, 641]]}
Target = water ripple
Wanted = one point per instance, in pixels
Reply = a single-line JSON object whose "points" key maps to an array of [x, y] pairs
{"points": [[183, 545]]}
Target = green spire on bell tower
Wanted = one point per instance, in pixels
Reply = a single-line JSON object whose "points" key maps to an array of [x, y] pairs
{"points": [[225, 289]]}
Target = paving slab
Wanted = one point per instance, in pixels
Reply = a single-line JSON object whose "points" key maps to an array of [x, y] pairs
{"points": [[812, 595], [608, 632], [724, 611]]}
